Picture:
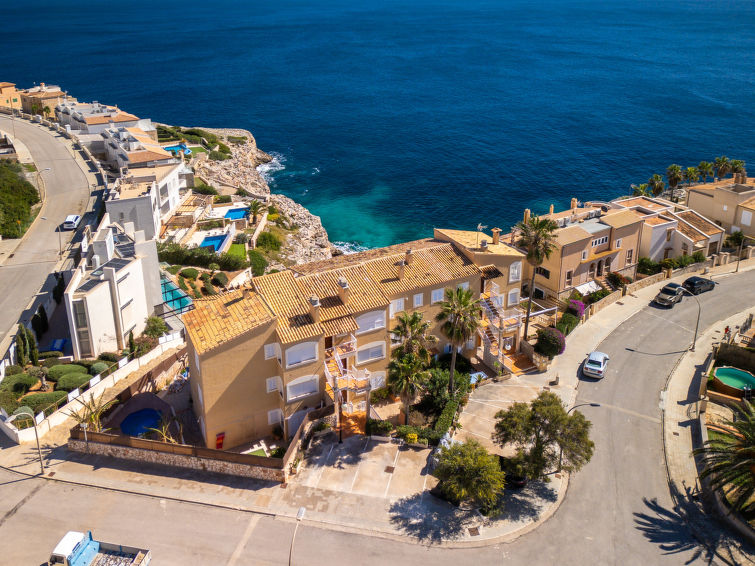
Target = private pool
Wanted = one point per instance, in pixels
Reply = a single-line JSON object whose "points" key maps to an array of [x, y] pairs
{"points": [[173, 297], [177, 148], [237, 213], [733, 381], [214, 242], [139, 422]]}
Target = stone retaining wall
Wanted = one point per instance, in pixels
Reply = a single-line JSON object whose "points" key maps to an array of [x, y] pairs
{"points": [[595, 308], [645, 282]]}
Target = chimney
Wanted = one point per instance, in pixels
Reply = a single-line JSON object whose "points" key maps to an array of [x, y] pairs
{"points": [[246, 293], [573, 204], [401, 269], [496, 236], [314, 308], [550, 210], [408, 256], [343, 290], [527, 215]]}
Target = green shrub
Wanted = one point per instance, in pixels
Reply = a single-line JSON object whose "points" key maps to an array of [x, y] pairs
{"points": [[204, 189], [423, 434], [50, 354], [143, 345], [17, 196], [647, 266], [98, 367], [71, 381], [173, 269], [111, 357], [208, 288], [243, 193], [617, 279], [380, 395], [278, 452], [597, 295], [218, 156], [40, 401], [13, 369], [550, 342], [379, 428], [59, 371], [668, 263], [201, 257], [237, 139], [155, 327], [222, 199], [49, 362], [182, 284], [463, 365], [220, 279], [8, 400], [86, 364], [258, 261], [446, 418], [269, 241], [321, 426], [222, 148], [698, 257], [190, 273], [19, 383], [567, 323]]}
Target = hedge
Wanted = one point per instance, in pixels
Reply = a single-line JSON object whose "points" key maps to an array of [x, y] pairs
{"points": [[50, 354], [8, 400], [431, 436], [59, 371], [19, 383], [258, 261], [378, 428], [201, 257], [446, 418], [50, 362], [567, 323], [72, 381], [111, 357], [39, 401], [189, 273], [220, 279], [208, 288], [13, 369]]}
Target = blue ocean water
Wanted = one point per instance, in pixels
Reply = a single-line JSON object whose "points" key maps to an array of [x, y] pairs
{"points": [[391, 117]]}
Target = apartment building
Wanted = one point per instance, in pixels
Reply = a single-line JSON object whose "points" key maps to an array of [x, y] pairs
{"points": [[729, 203], [95, 118], [671, 230], [9, 96], [113, 290], [148, 196], [132, 148], [316, 334], [35, 99]]}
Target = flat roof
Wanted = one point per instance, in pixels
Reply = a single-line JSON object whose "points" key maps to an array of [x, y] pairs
{"points": [[471, 239]]}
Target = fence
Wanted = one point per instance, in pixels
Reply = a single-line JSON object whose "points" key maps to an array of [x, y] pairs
{"points": [[296, 445], [645, 282]]}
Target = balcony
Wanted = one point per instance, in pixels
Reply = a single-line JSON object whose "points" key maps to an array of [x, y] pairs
{"points": [[506, 320], [354, 380], [342, 350]]}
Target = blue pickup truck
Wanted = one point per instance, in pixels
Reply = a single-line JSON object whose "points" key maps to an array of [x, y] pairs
{"points": [[79, 549]]}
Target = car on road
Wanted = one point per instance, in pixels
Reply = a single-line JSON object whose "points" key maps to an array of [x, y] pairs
{"points": [[697, 285], [595, 364], [72, 222], [669, 295]]}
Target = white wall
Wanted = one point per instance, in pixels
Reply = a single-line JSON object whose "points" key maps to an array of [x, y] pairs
{"points": [[139, 210]]}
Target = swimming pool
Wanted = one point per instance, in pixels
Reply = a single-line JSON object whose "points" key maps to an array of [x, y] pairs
{"points": [[214, 242], [237, 213], [139, 422], [177, 148], [173, 297], [736, 378]]}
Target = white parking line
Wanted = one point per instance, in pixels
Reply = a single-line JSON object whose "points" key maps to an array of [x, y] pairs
{"points": [[669, 321], [491, 404], [395, 461], [322, 467]]}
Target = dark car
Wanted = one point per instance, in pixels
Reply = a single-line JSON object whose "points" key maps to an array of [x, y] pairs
{"points": [[669, 295], [697, 285]]}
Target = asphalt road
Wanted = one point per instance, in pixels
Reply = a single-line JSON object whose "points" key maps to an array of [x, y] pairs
{"points": [[67, 192], [617, 511]]}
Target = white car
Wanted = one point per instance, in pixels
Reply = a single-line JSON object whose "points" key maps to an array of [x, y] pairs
{"points": [[595, 365], [72, 222]]}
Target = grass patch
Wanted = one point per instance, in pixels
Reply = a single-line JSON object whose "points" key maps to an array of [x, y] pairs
{"points": [[197, 149], [30, 167], [258, 452], [173, 269], [237, 250]]}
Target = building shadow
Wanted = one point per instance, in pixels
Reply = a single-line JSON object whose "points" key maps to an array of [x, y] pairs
{"points": [[429, 519]]}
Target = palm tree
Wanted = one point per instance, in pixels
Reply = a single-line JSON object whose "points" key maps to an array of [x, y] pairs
{"points": [[656, 184], [412, 331], [91, 412], [706, 170], [46, 110], [729, 460], [255, 208], [162, 430], [460, 317], [36, 108], [406, 376], [722, 166], [691, 174], [640, 190], [674, 175], [538, 238], [737, 166]]}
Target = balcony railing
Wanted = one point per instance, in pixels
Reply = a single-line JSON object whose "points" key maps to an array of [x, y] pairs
{"points": [[357, 380], [344, 349]]}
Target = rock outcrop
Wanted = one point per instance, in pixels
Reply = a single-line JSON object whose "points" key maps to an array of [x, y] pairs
{"points": [[309, 241]]}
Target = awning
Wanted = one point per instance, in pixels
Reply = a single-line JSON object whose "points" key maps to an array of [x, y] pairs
{"points": [[589, 287]]}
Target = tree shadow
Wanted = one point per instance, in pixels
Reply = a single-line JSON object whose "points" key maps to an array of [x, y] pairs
{"points": [[430, 519], [526, 503]]}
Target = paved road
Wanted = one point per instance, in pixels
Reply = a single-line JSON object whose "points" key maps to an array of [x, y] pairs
{"points": [[67, 192], [617, 511]]}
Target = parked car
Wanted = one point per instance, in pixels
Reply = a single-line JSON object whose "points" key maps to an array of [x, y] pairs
{"points": [[72, 222], [669, 295], [697, 285], [595, 364]]}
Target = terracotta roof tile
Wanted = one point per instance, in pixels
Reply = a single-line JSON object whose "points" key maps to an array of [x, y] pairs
{"points": [[339, 326], [289, 304], [700, 222], [490, 272], [690, 232], [107, 118]]}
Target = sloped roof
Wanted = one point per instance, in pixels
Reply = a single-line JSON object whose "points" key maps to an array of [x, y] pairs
{"points": [[700, 222], [289, 304]]}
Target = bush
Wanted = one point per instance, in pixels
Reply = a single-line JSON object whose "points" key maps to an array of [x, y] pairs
{"points": [[111, 357], [222, 199], [668, 263], [550, 342], [411, 438], [13, 369], [380, 395], [182, 284], [446, 419], [60, 370], [50, 362], [208, 288], [222, 148], [258, 261], [17, 196], [8, 400], [155, 327], [40, 401], [189, 273], [204, 189], [50, 354], [218, 156], [71, 381], [278, 452], [647, 266], [143, 345], [463, 365], [173, 269], [597, 295], [379, 428], [19, 383], [220, 279], [567, 323], [201, 257], [576, 308], [243, 193], [617, 279], [98, 367], [86, 364], [698, 257], [269, 241]]}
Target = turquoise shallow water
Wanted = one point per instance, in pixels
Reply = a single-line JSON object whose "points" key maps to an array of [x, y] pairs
{"points": [[388, 118], [735, 377]]}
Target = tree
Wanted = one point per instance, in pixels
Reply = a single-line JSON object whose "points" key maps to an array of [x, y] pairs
{"points": [[31, 343], [22, 349], [640, 190], [736, 238], [538, 238], [405, 378], [459, 317], [722, 166], [674, 175], [729, 460], [154, 328], [46, 110], [656, 184], [91, 411], [131, 343], [691, 175], [550, 342], [546, 434], [467, 472], [737, 166], [412, 331], [706, 170], [255, 209], [213, 267]]}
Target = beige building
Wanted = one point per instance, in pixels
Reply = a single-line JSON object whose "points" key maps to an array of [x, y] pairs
{"points": [[319, 333], [729, 203], [9, 96], [34, 100]]}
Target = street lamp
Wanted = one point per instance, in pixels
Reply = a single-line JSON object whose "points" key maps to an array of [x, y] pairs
{"points": [[560, 448], [697, 324], [299, 517], [36, 434]]}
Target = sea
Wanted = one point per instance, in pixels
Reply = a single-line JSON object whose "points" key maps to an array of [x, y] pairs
{"points": [[390, 117]]}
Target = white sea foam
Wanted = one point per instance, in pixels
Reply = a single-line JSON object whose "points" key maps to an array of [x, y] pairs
{"points": [[267, 170], [349, 247], [315, 171]]}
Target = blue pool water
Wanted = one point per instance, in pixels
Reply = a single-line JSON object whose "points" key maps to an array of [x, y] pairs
{"points": [[173, 297], [137, 423], [237, 213], [214, 242], [179, 147]]}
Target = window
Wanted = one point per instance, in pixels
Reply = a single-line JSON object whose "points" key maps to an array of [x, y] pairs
{"points": [[301, 353], [726, 208], [618, 243], [302, 387], [419, 299], [543, 272], [271, 384], [568, 277], [274, 417], [372, 351], [271, 350], [515, 272], [464, 286], [746, 218], [599, 241], [397, 305], [513, 297], [371, 321], [584, 255], [436, 296], [470, 344], [629, 256]]}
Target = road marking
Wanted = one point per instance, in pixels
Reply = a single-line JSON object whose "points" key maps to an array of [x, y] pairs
{"points": [[669, 321], [356, 473], [244, 539], [628, 412], [322, 467], [390, 476], [490, 404]]}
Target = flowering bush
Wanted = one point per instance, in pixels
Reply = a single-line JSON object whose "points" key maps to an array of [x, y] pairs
{"points": [[550, 342], [577, 308]]}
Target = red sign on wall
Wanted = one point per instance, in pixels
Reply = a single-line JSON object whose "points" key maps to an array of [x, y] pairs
{"points": [[219, 438]]}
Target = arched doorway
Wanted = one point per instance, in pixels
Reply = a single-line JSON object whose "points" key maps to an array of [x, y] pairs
{"points": [[600, 268]]}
